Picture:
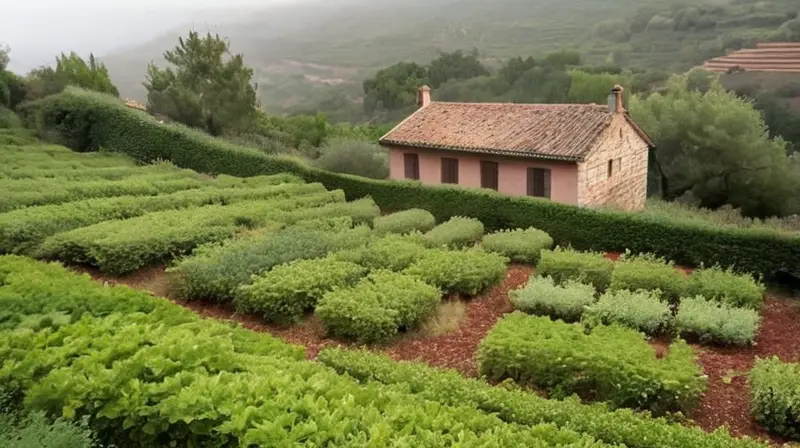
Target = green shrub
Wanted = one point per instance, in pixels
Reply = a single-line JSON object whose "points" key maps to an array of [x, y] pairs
{"points": [[375, 308], [610, 363], [649, 273], [287, 291], [333, 224], [217, 271], [564, 264], [449, 387], [523, 246], [640, 310], [712, 322], [725, 286], [406, 221], [467, 272], [457, 232], [391, 252], [88, 121], [775, 397], [543, 297], [357, 157], [35, 430]]}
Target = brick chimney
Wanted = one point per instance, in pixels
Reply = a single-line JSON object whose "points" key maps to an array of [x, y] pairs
{"points": [[615, 99], [423, 96]]}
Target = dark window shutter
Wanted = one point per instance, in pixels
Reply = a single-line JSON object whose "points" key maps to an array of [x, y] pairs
{"points": [[412, 165], [489, 175], [449, 170], [539, 182]]}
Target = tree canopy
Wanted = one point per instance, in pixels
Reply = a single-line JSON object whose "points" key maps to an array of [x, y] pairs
{"points": [[205, 87], [70, 70]]}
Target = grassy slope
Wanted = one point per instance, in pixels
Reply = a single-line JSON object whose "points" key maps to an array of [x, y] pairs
{"points": [[343, 42]]}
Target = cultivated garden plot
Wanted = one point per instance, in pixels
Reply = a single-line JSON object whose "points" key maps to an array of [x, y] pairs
{"points": [[586, 347]]}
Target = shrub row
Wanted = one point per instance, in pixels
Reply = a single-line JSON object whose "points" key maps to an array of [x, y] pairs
{"points": [[708, 322], [122, 246], [377, 307], [404, 222], [457, 232], [83, 174], [467, 272], [641, 310], [649, 273], [22, 230], [449, 387], [775, 397], [542, 296], [610, 363], [41, 156], [287, 291], [43, 185], [519, 245], [201, 383], [391, 252], [217, 271], [564, 264], [725, 286]]}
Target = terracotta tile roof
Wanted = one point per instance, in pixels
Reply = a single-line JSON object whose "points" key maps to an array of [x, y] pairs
{"points": [[547, 131]]}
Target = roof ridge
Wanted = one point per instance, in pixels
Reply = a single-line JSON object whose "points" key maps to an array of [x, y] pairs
{"points": [[466, 103]]}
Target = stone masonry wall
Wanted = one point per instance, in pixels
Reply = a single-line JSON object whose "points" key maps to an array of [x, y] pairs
{"points": [[626, 188]]}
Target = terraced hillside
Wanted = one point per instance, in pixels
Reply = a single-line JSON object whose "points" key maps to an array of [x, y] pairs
{"points": [[775, 57]]}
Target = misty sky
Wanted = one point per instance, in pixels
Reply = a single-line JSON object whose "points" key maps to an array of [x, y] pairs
{"points": [[38, 30]]}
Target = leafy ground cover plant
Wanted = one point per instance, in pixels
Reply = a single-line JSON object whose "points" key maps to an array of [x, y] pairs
{"points": [[287, 291], [543, 297], [564, 264], [407, 221], [775, 398], [649, 273], [610, 363], [711, 322], [377, 307], [620, 426], [391, 252], [35, 430], [216, 271], [456, 232], [640, 310], [728, 287], [467, 272], [519, 245]]}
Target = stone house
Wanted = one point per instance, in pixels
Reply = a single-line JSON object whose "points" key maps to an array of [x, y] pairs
{"points": [[587, 155]]}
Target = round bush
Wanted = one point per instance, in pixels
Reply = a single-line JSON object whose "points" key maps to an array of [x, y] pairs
{"points": [[405, 222], [543, 297], [523, 246], [457, 232], [468, 272], [640, 310], [392, 252], [567, 264]]}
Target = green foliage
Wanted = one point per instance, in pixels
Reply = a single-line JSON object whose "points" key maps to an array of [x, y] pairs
{"points": [[457, 232], [543, 297], [407, 221], [216, 271], [564, 264], [466, 272], [726, 286], [104, 122], [206, 87], [774, 396], [649, 273], [356, 157], [449, 387], [8, 119], [716, 146], [710, 322], [610, 363], [520, 245], [455, 65], [70, 70], [35, 430], [394, 87], [375, 308], [287, 291], [391, 252], [641, 310]]}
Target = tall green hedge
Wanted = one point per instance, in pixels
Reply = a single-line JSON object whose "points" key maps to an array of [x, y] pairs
{"points": [[87, 121]]}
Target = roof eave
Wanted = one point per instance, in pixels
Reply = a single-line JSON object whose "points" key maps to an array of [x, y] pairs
{"points": [[478, 150]]}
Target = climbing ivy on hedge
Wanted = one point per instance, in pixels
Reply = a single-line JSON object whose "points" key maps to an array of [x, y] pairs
{"points": [[87, 121]]}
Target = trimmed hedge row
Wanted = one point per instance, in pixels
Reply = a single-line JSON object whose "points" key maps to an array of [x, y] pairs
{"points": [[377, 307], [519, 245], [449, 387], [609, 363], [88, 121], [775, 396]]}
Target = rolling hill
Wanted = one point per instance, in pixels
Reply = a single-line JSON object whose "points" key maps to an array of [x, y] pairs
{"points": [[313, 52]]}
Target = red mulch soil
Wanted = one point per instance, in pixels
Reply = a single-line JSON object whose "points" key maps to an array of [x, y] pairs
{"points": [[726, 401]]}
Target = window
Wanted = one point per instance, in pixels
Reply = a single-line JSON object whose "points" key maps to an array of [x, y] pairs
{"points": [[614, 165], [412, 165], [539, 182], [449, 170], [610, 168], [489, 177]]}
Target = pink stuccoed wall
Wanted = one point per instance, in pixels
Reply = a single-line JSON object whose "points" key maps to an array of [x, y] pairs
{"points": [[512, 172]]}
